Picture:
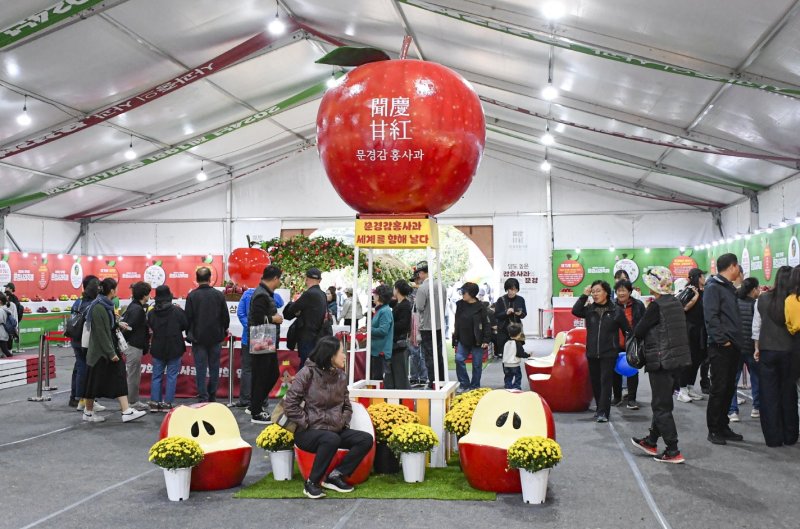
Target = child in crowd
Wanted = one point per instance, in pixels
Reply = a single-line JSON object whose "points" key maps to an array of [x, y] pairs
{"points": [[512, 355]]}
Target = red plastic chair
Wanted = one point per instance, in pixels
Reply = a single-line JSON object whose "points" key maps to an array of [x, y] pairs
{"points": [[576, 335], [359, 421]]}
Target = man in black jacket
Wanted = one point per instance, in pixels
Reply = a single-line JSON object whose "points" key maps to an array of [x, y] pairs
{"points": [[209, 319], [134, 325], [310, 309], [264, 367], [723, 324]]}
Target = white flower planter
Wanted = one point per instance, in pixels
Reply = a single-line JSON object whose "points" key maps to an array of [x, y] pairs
{"points": [[413, 467], [282, 464], [534, 485], [179, 481]]}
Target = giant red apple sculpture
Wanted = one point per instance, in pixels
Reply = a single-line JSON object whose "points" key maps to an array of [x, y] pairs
{"points": [[401, 136], [245, 265]]}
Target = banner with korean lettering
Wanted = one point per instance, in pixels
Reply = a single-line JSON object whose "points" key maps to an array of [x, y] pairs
{"points": [[521, 251], [43, 277], [397, 232]]}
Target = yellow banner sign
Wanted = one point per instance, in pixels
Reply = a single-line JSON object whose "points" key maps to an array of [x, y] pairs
{"points": [[397, 233]]}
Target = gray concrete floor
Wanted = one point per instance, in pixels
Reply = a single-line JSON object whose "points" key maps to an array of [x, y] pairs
{"points": [[56, 471]]}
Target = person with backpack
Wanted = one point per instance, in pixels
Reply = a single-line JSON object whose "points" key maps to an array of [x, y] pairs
{"points": [[8, 325], [74, 332], [310, 313]]}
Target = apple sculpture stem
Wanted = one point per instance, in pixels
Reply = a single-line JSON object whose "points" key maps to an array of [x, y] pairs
{"points": [[404, 48]]}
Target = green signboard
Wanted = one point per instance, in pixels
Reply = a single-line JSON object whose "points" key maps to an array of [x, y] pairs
{"points": [[574, 270], [43, 19]]}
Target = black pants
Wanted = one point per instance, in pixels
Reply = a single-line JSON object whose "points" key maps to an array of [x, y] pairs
{"points": [[697, 348], [723, 362], [633, 386], [500, 342], [395, 371], [376, 367], [778, 392], [264, 372], [601, 372], [427, 350], [325, 443], [663, 424]]}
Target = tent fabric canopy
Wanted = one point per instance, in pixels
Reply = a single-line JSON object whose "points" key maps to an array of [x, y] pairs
{"points": [[719, 80]]}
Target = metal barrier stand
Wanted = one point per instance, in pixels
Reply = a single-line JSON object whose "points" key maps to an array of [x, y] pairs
{"points": [[46, 360], [231, 351], [39, 397]]}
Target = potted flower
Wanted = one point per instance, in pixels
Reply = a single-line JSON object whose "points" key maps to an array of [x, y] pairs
{"points": [[279, 442], [412, 441], [458, 418], [177, 456], [534, 457], [385, 417]]}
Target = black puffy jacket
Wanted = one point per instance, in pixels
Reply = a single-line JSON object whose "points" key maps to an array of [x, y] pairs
{"points": [[136, 317], [666, 341], [603, 324], [167, 323]]}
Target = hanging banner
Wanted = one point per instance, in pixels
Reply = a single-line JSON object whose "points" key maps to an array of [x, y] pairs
{"points": [[50, 279], [602, 264], [520, 251], [44, 19], [216, 64], [397, 233]]}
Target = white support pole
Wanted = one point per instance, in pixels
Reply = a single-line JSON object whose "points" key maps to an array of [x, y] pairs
{"points": [[353, 322], [432, 305], [441, 310], [367, 374]]}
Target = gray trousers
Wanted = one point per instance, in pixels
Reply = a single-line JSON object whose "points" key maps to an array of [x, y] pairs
{"points": [[133, 367]]}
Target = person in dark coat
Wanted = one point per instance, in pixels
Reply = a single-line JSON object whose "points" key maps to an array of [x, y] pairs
{"points": [[397, 376], [723, 326], [209, 320], [310, 310], [696, 327], [91, 287], [746, 297], [106, 374], [666, 351], [634, 312], [168, 323], [265, 371], [134, 328], [12, 298], [773, 352], [604, 322], [509, 308], [472, 332], [319, 403]]}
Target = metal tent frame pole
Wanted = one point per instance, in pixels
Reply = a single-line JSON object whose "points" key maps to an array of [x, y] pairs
{"points": [[353, 321]]}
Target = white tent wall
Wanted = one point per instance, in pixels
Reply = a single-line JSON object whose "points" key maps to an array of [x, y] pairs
{"points": [[780, 202], [158, 238], [41, 235]]}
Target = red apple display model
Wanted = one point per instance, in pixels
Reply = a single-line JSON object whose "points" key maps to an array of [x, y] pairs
{"points": [[245, 265], [567, 387], [227, 455], [401, 137]]}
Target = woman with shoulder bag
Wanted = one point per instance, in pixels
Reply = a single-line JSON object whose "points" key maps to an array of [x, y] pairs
{"points": [[106, 374], [398, 377], [382, 335], [509, 308], [318, 402], [134, 328]]}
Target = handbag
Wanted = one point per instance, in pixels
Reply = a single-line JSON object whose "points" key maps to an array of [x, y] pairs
{"points": [[685, 296], [293, 334], [634, 351], [263, 339], [122, 343], [279, 417]]}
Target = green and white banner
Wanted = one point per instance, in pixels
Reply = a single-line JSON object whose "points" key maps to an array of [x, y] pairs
{"points": [[44, 19], [574, 270]]}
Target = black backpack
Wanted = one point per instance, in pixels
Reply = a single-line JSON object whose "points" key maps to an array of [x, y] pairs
{"points": [[76, 321]]}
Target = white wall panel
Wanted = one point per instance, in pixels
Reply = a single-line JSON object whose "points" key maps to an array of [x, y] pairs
{"points": [[209, 204], [133, 238], [41, 235], [257, 230]]}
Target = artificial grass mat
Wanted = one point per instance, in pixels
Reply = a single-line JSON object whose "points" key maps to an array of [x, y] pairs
{"points": [[446, 483]]}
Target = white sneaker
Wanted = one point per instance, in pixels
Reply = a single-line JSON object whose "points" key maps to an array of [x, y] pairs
{"points": [[93, 417], [98, 407], [692, 394], [132, 415], [755, 414], [81, 405], [733, 417], [140, 406], [683, 396], [741, 400], [247, 411]]}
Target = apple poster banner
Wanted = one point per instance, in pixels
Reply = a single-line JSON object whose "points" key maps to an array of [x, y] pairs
{"points": [[520, 251], [46, 277]]}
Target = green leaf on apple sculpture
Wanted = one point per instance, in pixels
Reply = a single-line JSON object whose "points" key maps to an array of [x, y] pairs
{"points": [[352, 56]]}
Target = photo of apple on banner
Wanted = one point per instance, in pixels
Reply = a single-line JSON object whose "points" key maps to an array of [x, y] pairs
{"points": [[399, 136]]}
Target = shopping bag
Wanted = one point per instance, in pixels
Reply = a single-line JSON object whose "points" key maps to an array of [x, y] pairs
{"points": [[263, 339]]}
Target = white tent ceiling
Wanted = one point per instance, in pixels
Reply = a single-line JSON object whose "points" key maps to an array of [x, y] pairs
{"points": [[119, 49]]}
